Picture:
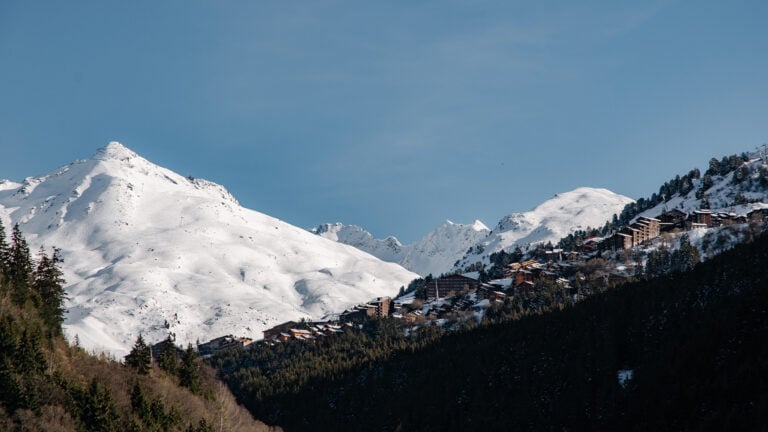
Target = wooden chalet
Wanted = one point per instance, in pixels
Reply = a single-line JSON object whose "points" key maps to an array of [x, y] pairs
{"points": [[758, 215], [278, 329], [700, 217], [222, 343], [673, 220]]}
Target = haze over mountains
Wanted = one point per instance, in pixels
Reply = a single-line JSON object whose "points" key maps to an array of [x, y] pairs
{"points": [[149, 251]]}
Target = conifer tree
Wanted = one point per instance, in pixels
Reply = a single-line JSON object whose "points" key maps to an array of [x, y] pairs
{"points": [[188, 374], [140, 357], [29, 354], [167, 360], [19, 266], [49, 286], [5, 251], [98, 409]]}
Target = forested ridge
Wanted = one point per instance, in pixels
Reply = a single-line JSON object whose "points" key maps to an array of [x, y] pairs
{"points": [[48, 385], [689, 347]]}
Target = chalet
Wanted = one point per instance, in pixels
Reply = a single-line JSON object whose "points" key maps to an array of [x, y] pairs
{"points": [[222, 343], [523, 276], [673, 220], [758, 215], [278, 329], [525, 287], [449, 285], [592, 243], [527, 265], [358, 314], [621, 240], [297, 333], [703, 216]]}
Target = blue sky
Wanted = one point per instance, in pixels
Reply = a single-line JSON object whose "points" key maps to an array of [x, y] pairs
{"points": [[391, 115]]}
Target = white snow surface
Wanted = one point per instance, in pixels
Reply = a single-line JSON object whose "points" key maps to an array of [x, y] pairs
{"points": [[721, 195], [144, 246], [550, 221], [434, 254], [454, 246]]}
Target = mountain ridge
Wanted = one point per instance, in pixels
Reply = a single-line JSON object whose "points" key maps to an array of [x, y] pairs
{"points": [[149, 251], [465, 244]]}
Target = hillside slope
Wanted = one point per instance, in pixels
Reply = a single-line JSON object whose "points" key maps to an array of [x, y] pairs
{"points": [[680, 352], [149, 251]]}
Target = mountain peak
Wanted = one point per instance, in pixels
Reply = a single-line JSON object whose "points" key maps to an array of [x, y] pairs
{"points": [[114, 150]]}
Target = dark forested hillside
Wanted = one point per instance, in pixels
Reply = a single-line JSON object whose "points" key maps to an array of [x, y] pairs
{"points": [[48, 385], [681, 352]]}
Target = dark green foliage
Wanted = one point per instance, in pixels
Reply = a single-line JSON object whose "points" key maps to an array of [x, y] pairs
{"points": [[49, 285], [189, 376], [726, 164], [694, 341], [264, 376], [20, 268], [418, 287], [500, 260], [5, 252], [97, 409], [680, 185], [152, 413], [167, 359], [202, 426], [140, 357]]}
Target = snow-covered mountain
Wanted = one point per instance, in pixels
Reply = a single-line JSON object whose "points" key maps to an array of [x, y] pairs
{"points": [[434, 254], [550, 221], [454, 246], [149, 251], [737, 190]]}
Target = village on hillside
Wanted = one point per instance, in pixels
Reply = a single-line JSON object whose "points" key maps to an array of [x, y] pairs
{"points": [[594, 264]]}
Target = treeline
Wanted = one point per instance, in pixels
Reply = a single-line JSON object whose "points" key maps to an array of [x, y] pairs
{"points": [[684, 351], [266, 377], [681, 185], [48, 385]]}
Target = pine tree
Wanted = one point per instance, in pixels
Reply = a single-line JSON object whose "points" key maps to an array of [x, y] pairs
{"points": [[5, 251], [98, 409], [49, 285], [29, 356], [167, 360], [188, 374], [140, 357], [19, 267]]}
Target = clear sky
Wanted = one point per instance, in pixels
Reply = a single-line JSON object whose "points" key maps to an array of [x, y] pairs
{"points": [[392, 115]]}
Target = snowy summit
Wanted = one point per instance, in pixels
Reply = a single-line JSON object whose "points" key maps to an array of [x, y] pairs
{"points": [[149, 251]]}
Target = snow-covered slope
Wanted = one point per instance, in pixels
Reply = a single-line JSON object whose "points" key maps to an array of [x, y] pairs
{"points": [[550, 221], [434, 254], [147, 250], [725, 194]]}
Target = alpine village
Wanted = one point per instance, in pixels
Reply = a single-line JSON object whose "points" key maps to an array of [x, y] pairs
{"points": [[655, 321]]}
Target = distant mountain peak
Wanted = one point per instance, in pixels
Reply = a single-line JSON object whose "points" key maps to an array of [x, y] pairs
{"points": [[149, 251], [115, 150]]}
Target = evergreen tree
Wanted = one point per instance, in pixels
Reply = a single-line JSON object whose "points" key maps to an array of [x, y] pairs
{"points": [[29, 354], [188, 374], [140, 357], [167, 360], [49, 285], [5, 251], [98, 410], [20, 267]]}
